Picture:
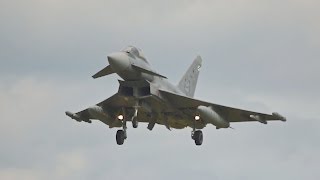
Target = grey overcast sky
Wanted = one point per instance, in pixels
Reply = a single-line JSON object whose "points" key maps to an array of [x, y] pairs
{"points": [[258, 55]]}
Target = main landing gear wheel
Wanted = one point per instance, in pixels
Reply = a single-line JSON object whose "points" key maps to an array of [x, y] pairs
{"points": [[120, 137], [198, 137]]}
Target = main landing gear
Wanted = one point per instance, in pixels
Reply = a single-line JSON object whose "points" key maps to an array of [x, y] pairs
{"points": [[121, 136], [122, 133], [196, 135]]}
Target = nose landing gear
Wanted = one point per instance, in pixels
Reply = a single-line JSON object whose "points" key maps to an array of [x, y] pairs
{"points": [[134, 118]]}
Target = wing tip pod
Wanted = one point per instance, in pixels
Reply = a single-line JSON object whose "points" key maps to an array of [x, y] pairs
{"points": [[77, 117], [68, 113], [73, 116], [279, 116]]}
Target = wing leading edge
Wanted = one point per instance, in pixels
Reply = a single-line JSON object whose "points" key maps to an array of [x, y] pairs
{"points": [[106, 111], [230, 114]]}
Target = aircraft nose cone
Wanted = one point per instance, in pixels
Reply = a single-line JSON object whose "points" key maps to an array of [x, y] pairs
{"points": [[118, 61]]}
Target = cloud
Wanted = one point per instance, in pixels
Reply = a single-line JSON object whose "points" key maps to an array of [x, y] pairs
{"points": [[22, 103], [70, 165], [15, 174], [261, 56]]}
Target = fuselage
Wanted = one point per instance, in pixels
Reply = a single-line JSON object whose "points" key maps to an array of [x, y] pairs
{"points": [[122, 63]]}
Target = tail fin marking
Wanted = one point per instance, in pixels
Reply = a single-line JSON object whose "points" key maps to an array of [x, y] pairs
{"points": [[189, 81]]}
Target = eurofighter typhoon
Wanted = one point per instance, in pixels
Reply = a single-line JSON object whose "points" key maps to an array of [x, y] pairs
{"points": [[146, 96]]}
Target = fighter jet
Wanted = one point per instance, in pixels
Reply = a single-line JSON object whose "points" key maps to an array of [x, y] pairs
{"points": [[146, 96]]}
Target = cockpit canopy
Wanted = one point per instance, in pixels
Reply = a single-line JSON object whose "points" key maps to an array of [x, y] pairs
{"points": [[135, 52]]}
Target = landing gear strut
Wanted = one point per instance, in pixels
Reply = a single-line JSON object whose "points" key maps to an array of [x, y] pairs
{"points": [[135, 115], [134, 118]]}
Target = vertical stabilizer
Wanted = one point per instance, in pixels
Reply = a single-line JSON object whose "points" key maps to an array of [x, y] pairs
{"points": [[189, 81]]}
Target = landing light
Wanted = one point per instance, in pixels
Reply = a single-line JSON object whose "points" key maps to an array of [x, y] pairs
{"points": [[120, 117], [197, 117]]}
